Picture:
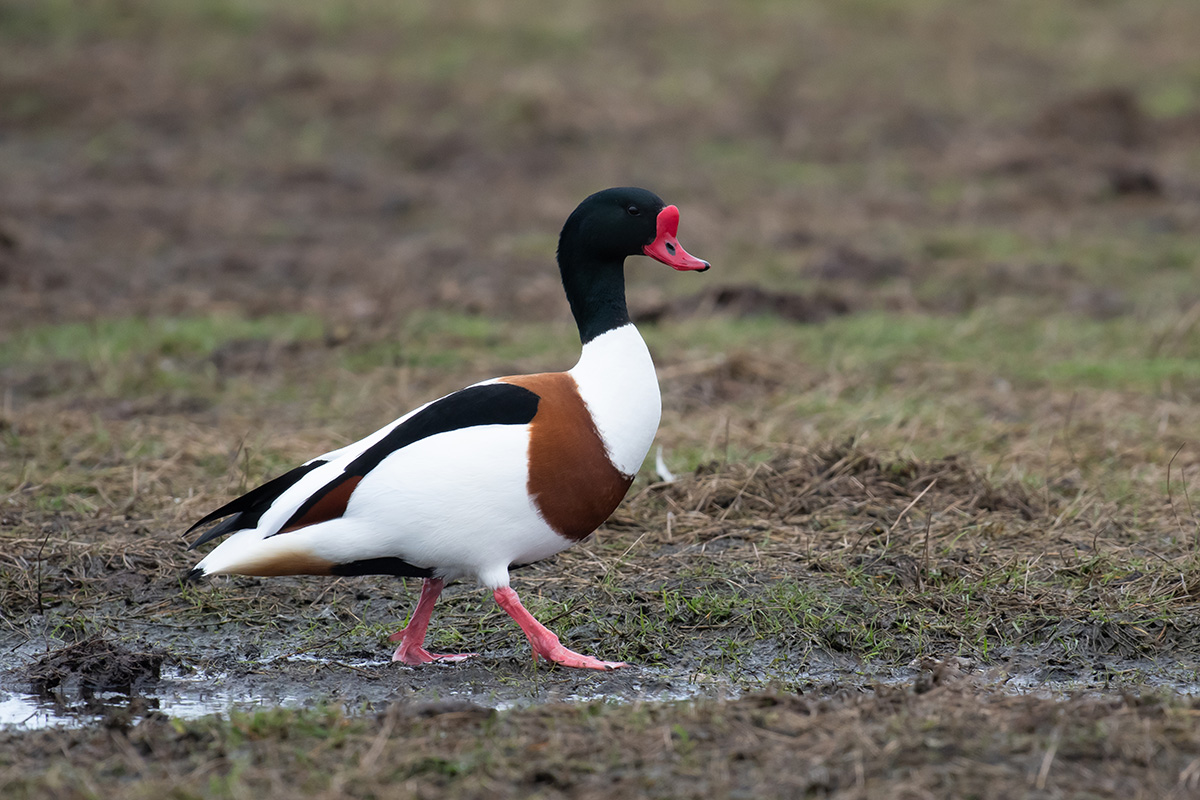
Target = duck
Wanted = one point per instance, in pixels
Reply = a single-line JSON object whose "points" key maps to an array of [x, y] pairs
{"points": [[500, 474]]}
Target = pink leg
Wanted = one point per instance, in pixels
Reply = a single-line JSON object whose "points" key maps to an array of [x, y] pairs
{"points": [[412, 636], [545, 643]]}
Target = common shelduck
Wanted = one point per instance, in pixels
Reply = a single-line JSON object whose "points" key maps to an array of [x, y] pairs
{"points": [[501, 473]]}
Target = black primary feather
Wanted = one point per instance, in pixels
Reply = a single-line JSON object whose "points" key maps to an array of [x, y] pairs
{"points": [[250, 507]]}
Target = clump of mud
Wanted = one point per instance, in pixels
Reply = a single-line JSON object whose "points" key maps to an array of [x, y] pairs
{"points": [[92, 666], [1100, 117]]}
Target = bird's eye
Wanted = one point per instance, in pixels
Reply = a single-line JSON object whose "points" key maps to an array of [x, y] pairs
{"points": [[634, 211]]}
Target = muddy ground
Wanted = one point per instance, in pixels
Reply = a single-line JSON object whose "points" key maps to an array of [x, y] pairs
{"points": [[932, 413], [776, 643]]}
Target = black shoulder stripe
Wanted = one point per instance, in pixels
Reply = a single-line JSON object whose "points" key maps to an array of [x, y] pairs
{"points": [[490, 404], [250, 507]]}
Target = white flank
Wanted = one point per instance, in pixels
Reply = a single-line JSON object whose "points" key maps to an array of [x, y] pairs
{"points": [[456, 501]]}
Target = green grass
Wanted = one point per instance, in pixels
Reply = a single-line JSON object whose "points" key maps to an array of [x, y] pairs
{"points": [[1059, 351], [433, 340], [925, 384], [111, 342]]}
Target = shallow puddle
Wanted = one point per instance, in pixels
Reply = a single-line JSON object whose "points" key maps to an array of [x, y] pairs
{"points": [[105, 680], [365, 686], [300, 681]]}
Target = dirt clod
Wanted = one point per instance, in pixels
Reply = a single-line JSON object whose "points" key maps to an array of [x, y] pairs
{"points": [[96, 664], [1110, 116], [848, 264]]}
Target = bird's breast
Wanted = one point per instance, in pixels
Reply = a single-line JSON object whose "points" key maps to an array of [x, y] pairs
{"points": [[572, 480]]}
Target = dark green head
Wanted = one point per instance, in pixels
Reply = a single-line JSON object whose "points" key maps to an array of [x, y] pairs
{"points": [[593, 245]]}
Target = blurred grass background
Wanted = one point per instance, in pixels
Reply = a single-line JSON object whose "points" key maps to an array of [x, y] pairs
{"points": [[166, 156]]}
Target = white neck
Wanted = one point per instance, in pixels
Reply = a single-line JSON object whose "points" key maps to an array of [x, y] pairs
{"points": [[616, 379]]}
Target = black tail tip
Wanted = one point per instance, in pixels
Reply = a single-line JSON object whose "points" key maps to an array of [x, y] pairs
{"points": [[194, 575]]}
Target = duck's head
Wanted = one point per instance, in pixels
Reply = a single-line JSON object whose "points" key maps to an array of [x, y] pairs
{"points": [[625, 221], [600, 233]]}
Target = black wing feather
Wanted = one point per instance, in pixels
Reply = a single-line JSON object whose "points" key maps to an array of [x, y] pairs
{"points": [[490, 404], [250, 507]]}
